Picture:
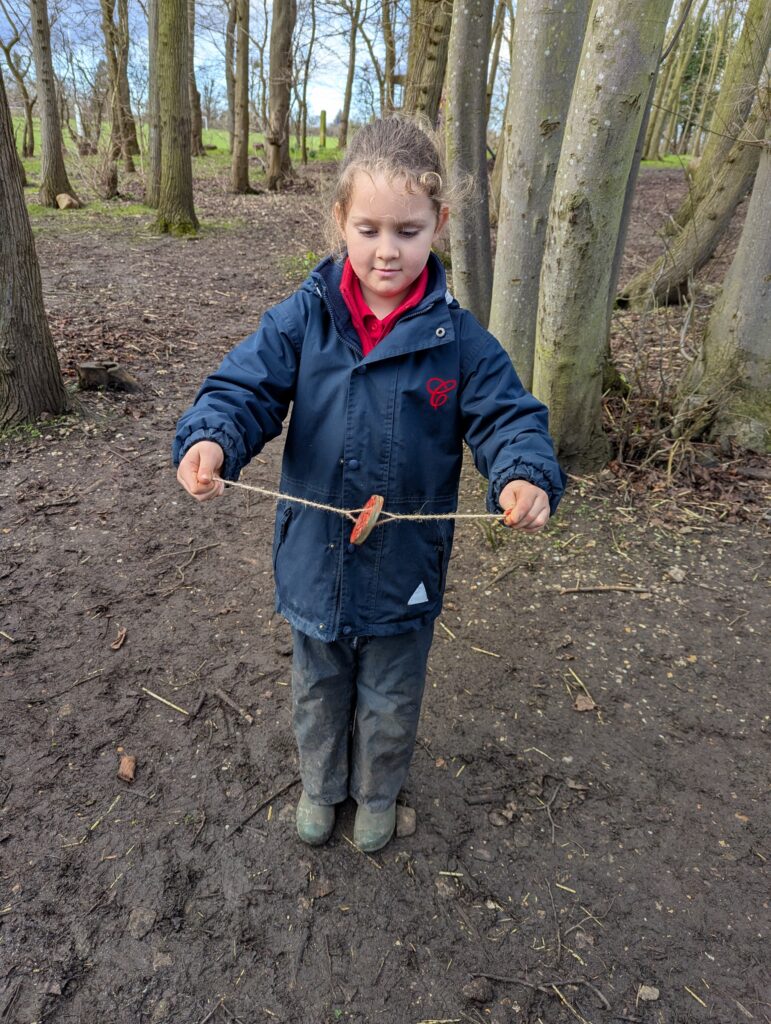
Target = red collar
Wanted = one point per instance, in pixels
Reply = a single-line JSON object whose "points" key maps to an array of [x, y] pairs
{"points": [[370, 329]]}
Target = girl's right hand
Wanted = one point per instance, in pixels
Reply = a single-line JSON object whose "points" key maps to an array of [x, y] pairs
{"points": [[196, 470]]}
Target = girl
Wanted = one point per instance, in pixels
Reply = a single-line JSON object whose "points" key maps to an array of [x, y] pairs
{"points": [[387, 376]]}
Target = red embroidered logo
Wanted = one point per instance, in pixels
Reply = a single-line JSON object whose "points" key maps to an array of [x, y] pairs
{"points": [[439, 390]]}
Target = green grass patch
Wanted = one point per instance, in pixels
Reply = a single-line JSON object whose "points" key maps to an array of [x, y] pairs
{"points": [[669, 161], [298, 267]]}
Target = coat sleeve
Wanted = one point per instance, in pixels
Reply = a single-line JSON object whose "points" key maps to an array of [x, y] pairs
{"points": [[505, 427], [243, 404]]}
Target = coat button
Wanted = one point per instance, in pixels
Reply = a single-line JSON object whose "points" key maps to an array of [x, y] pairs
{"points": [[347, 630], [361, 369], [351, 547], [440, 332], [353, 463]]}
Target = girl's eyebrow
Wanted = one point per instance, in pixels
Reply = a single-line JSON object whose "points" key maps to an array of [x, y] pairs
{"points": [[399, 224]]}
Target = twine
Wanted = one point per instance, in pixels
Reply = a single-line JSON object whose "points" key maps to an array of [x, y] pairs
{"points": [[352, 513]]}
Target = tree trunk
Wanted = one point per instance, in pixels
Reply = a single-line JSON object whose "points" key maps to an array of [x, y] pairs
{"points": [[695, 93], [342, 134], [240, 163], [30, 378], [615, 72], [230, 77], [732, 378], [427, 56], [129, 125], [304, 93], [466, 127], [53, 173], [547, 51], [666, 280], [176, 214], [706, 109], [389, 63], [196, 121], [277, 136], [119, 141], [153, 181], [497, 38], [738, 89]]}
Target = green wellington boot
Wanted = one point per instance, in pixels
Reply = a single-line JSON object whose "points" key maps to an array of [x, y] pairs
{"points": [[314, 821], [373, 829]]}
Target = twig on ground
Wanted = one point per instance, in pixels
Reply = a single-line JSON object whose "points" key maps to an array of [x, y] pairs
{"points": [[556, 924], [264, 803], [236, 707], [547, 807], [605, 588], [164, 701], [547, 987], [211, 1013]]}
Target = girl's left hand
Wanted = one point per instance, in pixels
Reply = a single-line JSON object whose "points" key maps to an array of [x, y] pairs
{"points": [[525, 506]]}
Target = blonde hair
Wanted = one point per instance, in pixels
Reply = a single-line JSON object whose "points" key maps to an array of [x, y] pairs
{"points": [[399, 148]]}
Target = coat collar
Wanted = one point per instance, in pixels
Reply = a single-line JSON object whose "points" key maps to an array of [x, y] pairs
{"points": [[435, 329]]}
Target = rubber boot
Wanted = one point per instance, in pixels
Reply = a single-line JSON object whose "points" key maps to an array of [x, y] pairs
{"points": [[373, 829], [314, 821]]}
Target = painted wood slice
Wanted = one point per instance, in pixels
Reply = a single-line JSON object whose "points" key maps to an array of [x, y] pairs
{"points": [[368, 516]]}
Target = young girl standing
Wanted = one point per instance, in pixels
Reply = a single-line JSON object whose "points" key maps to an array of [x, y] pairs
{"points": [[387, 377]]}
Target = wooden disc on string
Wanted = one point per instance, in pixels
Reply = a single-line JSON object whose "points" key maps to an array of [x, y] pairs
{"points": [[366, 520]]}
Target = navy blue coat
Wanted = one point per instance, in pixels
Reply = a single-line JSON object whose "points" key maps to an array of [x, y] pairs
{"points": [[393, 424]]}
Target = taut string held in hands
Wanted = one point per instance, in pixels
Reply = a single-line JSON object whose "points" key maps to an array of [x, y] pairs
{"points": [[355, 514]]}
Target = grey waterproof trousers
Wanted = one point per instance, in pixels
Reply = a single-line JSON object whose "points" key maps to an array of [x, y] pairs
{"points": [[356, 704]]}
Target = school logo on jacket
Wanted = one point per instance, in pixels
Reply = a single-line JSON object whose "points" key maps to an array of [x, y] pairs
{"points": [[439, 389]]}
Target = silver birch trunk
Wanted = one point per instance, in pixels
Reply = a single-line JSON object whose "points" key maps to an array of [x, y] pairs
{"points": [[547, 50], [53, 173], [239, 172], [30, 378], [616, 69], [733, 374], [466, 134], [277, 135]]}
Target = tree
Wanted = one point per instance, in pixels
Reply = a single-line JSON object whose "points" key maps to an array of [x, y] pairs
{"points": [[196, 124], [427, 56], [53, 173], [467, 153], [240, 163], [116, 49], [153, 178], [353, 10], [666, 279], [738, 90], [306, 74], [277, 136], [732, 377], [18, 65], [615, 72], [176, 213], [547, 50], [30, 378]]}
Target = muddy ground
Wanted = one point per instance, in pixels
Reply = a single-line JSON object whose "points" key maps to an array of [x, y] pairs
{"points": [[590, 780]]}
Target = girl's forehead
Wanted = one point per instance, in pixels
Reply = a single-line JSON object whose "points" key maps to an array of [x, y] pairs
{"points": [[378, 195]]}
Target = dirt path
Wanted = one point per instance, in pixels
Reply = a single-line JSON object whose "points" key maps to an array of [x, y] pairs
{"points": [[563, 858]]}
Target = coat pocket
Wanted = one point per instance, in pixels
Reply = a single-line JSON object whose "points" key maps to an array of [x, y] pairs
{"points": [[283, 519]]}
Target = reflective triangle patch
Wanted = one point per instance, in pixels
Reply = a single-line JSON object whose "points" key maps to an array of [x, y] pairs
{"points": [[420, 596]]}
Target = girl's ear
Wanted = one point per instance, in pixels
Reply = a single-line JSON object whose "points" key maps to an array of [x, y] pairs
{"points": [[441, 220], [339, 218]]}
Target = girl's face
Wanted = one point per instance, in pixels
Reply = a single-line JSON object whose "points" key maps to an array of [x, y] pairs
{"points": [[389, 233]]}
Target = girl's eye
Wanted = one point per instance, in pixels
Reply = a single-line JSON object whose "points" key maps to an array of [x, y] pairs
{"points": [[409, 234], [367, 232]]}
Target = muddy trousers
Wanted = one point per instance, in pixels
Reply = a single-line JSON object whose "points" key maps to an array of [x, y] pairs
{"points": [[355, 709]]}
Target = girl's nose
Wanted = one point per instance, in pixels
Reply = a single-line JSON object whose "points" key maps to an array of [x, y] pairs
{"points": [[387, 248]]}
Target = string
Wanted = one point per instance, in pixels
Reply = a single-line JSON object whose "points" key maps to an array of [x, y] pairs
{"points": [[351, 513]]}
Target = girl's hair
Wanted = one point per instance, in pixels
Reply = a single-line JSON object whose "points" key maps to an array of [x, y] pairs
{"points": [[401, 149]]}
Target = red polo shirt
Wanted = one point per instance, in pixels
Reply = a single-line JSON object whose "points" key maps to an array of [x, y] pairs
{"points": [[368, 327]]}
